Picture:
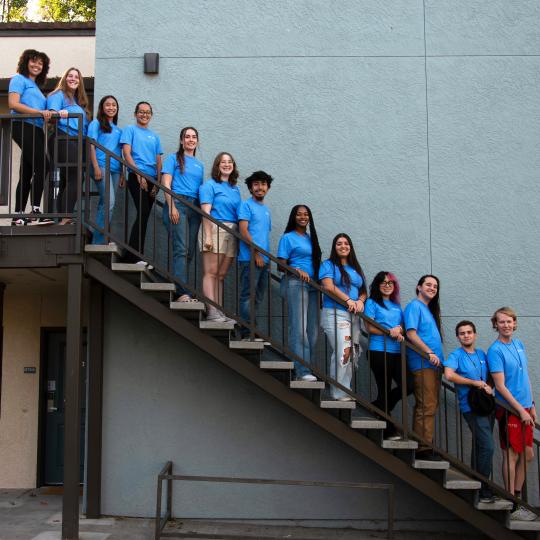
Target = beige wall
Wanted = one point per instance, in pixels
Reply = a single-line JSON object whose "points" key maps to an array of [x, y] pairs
{"points": [[26, 310], [64, 52]]}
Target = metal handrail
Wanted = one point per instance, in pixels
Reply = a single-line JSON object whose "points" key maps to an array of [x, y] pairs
{"points": [[166, 475]]}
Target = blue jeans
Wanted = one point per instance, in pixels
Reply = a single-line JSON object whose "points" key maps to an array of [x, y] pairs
{"points": [[261, 282], [98, 237], [183, 238], [482, 449], [303, 308]]}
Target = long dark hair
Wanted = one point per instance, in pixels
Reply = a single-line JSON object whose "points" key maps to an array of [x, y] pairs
{"points": [[352, 261], [180, 153], [375, 288], [433, 305], [32, 54], [104, 124], [216, 175], [315, 247]]}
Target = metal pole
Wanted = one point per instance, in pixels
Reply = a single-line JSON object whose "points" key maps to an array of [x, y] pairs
{"points": [[72, 430]]}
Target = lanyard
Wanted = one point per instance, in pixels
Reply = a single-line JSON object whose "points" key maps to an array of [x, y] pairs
{"points": [[516, 355], [479, 366]]}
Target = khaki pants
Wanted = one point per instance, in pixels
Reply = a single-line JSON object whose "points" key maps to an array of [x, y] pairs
{"points": [[427, 383]]}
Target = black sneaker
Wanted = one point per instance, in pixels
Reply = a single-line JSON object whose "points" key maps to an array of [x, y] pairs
{"points": [[19, 221], [40, 220]]}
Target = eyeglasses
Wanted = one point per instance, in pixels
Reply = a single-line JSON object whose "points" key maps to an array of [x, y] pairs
{"points": [[145, 113], [387, 283]]}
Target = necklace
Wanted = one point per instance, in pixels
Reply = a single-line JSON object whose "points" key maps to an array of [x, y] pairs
{"points": [[477, 366], [514, 353]]}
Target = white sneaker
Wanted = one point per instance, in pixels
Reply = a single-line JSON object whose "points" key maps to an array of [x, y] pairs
{"points": [[308, 377], [216, 316], [522, 514], [144, 263], [345, 398]]}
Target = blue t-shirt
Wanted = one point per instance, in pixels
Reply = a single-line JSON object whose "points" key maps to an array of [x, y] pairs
{"points": [[418, 317], [31, 96], [224, 198], [511, 359], [145, 147], [389, 316], [471, 366], [330, 270], [188, 182], [57, 101], [259, 227], [111, 141], [296, 249]]}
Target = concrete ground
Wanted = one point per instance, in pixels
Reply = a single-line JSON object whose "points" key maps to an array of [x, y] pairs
{"points": [[36, 515]]}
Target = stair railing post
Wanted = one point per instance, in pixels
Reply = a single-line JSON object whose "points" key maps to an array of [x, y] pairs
{"points": [[404, 402]]}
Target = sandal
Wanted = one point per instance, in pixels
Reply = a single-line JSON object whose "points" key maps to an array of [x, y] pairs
{"points": [[186, 298]]}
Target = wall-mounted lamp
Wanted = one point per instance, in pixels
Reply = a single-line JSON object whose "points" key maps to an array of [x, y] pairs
{"points": [[151, 62]]}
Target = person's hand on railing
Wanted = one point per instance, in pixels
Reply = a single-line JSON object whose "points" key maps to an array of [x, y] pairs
{"points": [[63, 113], [397, 333], [483, 385], [142, 182], [154, 191], [174, 214], [304, 276], [46, 114], [354, 306], [526, 418]]}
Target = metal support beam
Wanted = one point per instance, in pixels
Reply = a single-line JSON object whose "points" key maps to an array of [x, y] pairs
{"points": [[72, 427], [95, 396]]}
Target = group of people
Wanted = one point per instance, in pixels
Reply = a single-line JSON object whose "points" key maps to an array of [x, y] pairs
{"points": [[503, 371]]}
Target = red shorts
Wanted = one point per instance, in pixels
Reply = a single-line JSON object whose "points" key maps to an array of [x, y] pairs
{"points": [[513, 431]]}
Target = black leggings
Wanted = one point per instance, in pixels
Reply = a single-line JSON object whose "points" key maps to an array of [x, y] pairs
{"points": [[387, 397], [31, 141], [66, 161], [143, 203]]}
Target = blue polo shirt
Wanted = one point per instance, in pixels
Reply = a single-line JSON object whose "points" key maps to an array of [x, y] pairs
{"points": [[418, 317], [511, 360], [188, 182], [260, 224], [111, 141], [58, 101], [224, 198], [471, 366], [145, 147], [330, 270], [297, 250], [389, 316], [30, 95]]}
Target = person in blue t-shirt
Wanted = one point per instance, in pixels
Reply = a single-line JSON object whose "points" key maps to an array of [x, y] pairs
{"points": [[342, 276], [219, 197], [69, 97], [383, 306], [183, 174], [423, 326], [105, 131], [255, 224], [508, 365], [142, 150], [467, 367], [300, 249], [25, 97]]}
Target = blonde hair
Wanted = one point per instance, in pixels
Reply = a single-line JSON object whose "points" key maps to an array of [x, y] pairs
{"points": [[505, 310], [80, 94]]}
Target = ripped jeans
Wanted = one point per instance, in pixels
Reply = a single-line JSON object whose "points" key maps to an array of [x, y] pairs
{"points": [[342, 330]]}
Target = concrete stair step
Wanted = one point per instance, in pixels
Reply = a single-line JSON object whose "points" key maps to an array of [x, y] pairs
{"points": [[455, 479], [307, 385], [103, 249], [216, 325], [329, 403], [515, 525], [430, 465], [400, 445], [130, 268], [157, 286], [187, 306], [246, 345], [497, 505], [276, 365], [367, 422]]}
